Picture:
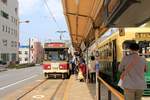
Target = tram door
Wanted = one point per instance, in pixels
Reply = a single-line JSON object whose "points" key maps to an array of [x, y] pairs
{"points": [[114, 63]]}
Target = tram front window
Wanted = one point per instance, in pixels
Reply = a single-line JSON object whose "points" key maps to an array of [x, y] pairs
{"points": [[55, 55]]}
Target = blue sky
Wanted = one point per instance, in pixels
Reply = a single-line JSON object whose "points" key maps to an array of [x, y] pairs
{"points": [[41, 24]]}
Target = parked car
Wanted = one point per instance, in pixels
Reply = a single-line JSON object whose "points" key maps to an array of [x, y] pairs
{"points": [[3, 66]]}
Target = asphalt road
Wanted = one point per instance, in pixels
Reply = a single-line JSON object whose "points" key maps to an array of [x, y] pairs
{"points": [[14, 79]]}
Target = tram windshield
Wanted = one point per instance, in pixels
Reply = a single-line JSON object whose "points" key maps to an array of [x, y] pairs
{"points": [[56, 54]]}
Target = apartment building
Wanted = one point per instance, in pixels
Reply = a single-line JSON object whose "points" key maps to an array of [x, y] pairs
{"points": [[23, 54], [9, 30]]}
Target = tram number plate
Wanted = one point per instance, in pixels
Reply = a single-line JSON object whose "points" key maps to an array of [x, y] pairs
{"points": [[55, 67]]}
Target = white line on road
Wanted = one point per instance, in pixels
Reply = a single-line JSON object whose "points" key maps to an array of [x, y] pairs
{"points": [[2, 88]]}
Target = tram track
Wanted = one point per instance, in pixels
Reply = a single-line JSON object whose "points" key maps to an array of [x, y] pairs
{"points": [[23, 95], [59, 92], [56, 94]]}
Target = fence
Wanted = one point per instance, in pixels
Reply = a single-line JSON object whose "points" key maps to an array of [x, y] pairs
{"points": [[111, 90]]}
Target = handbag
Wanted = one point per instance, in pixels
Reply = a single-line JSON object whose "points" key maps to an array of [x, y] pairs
{"points": [[124, 73], [80, 75]]}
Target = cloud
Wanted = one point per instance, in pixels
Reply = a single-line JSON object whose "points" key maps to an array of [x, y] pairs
{"points": [[28, 6]]}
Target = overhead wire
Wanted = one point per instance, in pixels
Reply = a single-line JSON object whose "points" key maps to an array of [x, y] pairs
{"points": [[51, 13]]}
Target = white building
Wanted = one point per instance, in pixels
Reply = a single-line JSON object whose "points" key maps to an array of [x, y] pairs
{"points": [[9, 30], [35, 55], [23, 54]]}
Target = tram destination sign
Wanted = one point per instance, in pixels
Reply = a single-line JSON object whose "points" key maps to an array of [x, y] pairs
{"points": [[142, 35], [54, 45]]}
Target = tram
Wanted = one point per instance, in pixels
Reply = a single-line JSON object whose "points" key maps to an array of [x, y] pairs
{"points": [[56, 59], [114, 47]]}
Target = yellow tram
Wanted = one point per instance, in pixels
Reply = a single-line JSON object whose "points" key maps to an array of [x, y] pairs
{"points": [[112, 49]]}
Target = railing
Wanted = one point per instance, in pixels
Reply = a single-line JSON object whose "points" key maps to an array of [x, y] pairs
{"points": [[111, 90]]}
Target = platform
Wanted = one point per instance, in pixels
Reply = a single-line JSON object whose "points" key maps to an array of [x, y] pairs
{"points": [[87, 91]]}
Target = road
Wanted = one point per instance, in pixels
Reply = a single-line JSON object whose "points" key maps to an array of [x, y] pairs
{"points": [[14, 79]]}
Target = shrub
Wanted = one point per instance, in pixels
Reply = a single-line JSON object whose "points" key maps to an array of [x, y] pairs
{"points": [[20, 65]]}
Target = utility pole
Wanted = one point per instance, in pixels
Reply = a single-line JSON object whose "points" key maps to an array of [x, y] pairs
{"points": [[61, 32], [20, 22]]}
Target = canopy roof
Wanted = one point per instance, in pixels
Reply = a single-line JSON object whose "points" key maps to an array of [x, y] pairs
{"points": [[81, 16], [84, 17]]}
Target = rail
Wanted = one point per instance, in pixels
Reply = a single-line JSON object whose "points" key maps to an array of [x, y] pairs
{"points": [[111, 90]]}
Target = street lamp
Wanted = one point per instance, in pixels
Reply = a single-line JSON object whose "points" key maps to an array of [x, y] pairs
{"points": [[26, 21], [61, 32]]}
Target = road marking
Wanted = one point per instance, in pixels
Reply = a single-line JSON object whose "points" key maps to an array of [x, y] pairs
{"points": [[2, 88], [39, 80], [38, 96]]}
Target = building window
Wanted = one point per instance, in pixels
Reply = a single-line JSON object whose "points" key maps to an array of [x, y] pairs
{"points": [[4, 14], [26, 52], [4, 1], [3, 28], [15, 44], [8, 29], [26, 59], [13, 57], [11, 31], [20, 52], [5, 42], [20, 59], [5, 57], [12, 43], [16, 10]]}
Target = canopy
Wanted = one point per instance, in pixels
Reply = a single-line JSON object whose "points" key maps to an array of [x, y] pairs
{"points": [[81, 16]]}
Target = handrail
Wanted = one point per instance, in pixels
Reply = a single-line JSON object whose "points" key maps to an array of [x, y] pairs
{"points": [[111, 89]]}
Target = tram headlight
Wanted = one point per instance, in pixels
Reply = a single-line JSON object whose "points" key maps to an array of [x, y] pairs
{"points": [[61, 67], [46, 66]]}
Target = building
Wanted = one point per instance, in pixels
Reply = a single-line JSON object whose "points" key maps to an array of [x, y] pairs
{"points": [[9, 30], [35, 54], [23, 54], [36, 49]]}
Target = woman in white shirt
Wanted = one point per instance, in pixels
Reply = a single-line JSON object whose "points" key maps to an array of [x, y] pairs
{"points": [[92, 70]]}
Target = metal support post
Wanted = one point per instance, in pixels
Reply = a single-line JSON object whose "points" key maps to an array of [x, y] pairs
{"points": [[99, 90], [109, 95], [87, 73]]}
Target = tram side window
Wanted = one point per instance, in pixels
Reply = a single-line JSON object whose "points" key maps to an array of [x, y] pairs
{"points": [[144, 49], [110, 49]]}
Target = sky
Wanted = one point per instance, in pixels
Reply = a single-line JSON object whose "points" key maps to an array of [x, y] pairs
{"points": [[41, 25]]}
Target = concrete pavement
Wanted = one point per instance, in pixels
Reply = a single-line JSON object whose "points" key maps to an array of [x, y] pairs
{"points": [[14, 79], [79, 90]]}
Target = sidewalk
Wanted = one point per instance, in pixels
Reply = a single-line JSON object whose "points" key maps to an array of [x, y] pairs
{"points": [[80, 90]]}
